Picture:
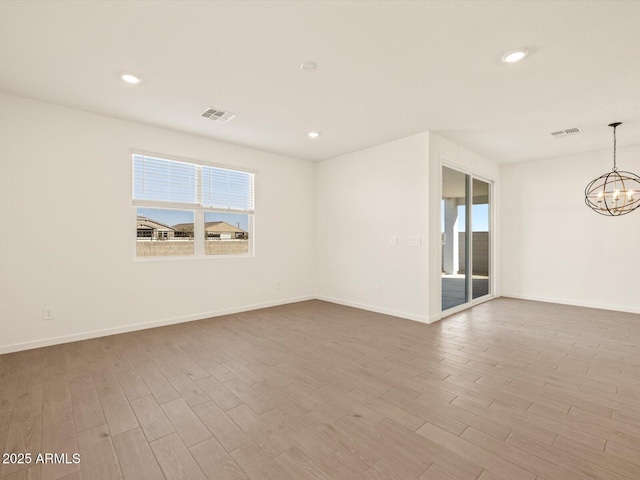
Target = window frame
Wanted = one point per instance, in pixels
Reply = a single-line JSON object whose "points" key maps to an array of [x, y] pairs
{"points": [[198, 210]]}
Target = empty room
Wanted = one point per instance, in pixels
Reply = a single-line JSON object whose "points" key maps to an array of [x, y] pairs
{"points": [[323, 240]]}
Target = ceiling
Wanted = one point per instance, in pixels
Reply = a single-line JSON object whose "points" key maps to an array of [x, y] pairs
{"points": [[385, 70]]}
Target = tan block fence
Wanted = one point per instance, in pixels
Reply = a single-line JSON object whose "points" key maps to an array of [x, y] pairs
{"points": [[170, 248]]}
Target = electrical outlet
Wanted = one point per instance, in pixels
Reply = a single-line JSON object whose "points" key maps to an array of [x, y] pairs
{"points": [[47, 313], [378, 290], [415, 241], [279, 286]]}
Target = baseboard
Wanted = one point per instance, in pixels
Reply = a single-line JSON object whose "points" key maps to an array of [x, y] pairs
{"points": [[573, 303], [386, 311], [47, 342], [246, 308]]}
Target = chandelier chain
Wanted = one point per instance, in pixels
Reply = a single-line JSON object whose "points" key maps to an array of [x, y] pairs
{"points": [[615, 166]]}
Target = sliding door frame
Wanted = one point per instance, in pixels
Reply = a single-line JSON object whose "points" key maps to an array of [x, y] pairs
{"points": [[469, 238]]}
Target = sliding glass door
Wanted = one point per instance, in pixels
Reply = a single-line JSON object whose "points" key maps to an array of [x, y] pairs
{"points": [[466, 240]]}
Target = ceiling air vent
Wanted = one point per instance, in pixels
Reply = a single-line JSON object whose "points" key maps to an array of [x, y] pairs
{"points": [[566, 133], [219, 116]]}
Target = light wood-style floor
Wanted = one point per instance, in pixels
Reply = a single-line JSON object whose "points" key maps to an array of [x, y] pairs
{"points": [[511, 390]]}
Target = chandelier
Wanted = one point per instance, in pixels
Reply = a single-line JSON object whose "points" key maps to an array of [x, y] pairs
{"points": [[614, 193]]}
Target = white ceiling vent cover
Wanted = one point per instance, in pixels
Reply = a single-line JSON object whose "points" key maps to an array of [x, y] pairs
{"points": [[216, 115], [566, 133]]}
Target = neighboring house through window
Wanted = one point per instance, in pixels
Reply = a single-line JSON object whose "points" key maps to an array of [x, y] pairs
{"points": [[185, 208]]}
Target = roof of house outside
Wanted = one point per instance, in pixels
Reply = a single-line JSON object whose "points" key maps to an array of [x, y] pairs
{"points": [[216, 227], [145, 223]]}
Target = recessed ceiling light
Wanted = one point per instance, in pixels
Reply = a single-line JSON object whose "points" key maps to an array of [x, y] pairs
{"points": [[309, 66], [130, 78], [514, 56], [313, 134]]}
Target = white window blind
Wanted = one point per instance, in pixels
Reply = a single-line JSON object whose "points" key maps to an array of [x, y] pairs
{"points": [[161, 180], [227, 189], [174, 182]]}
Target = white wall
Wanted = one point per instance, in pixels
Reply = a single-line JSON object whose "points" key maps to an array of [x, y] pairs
{"points": [[67, 229], [445, 151], [322, 230], [362, 199], [554, 248]]}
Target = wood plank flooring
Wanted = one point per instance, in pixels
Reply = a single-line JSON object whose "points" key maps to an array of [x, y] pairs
{"points": [[511, 390]]}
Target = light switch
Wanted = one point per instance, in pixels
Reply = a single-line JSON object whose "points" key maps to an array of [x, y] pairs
{"points": [[415, 241], [393, 241]]}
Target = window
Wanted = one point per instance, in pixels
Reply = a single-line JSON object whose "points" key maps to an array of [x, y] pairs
{"points": [[191, 209], [226, 233]]}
